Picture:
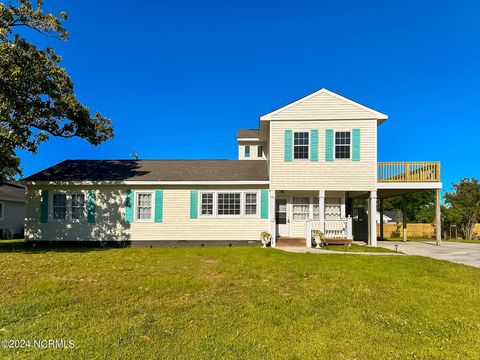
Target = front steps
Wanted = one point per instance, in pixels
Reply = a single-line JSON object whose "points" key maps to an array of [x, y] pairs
{"points": [[285, 241]]}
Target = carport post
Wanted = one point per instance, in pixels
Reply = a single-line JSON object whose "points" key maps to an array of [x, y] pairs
{"points": [[438, 219], [404, 217], [381, 218]]}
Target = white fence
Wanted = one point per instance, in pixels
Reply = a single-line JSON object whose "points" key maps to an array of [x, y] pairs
{"points": [[333, 229]]}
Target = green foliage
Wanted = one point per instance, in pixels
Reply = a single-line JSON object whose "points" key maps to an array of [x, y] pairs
{"points": [[464, 205], [36, 94], [396, 233], [416, 203]]}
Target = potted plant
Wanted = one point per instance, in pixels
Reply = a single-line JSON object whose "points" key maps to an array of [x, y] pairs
{"points": [[266, 238], [319, 237]]}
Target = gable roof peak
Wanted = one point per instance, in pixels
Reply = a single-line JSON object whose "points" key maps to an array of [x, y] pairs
{"points": [[356, 110]]}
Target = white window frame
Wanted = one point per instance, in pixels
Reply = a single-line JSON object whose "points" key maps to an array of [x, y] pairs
{"points": [[245, 203], [135, 202], [2, 214], [67, 217], [201, 193], [308, 146], [335, 144], [71, 205], [215, 203]]}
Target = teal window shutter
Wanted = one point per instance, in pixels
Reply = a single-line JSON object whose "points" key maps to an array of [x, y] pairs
{"points": [[288, 145], [356, 144], [329, 145], [193, 204], [129, 206], [44, 207], [264, 204], [158, 205], [91, 206], [314, 145]]}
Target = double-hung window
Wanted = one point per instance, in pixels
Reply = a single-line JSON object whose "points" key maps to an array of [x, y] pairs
{"points": [[206, 204], [342, 145], [300, 145], [251, 204], [59, 206], [78, 206], [301, 208], [315, 210], [228, 203], [247, 151], [144, 206]]}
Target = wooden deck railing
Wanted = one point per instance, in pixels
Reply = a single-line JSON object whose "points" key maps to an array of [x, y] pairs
{"points": [[418, 171]]}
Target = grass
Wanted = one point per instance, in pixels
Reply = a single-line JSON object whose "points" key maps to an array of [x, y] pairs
{"points": [[357, 248], [236, 303]]}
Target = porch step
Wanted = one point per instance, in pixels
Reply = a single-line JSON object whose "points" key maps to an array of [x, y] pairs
{"points": [[291, 241]]}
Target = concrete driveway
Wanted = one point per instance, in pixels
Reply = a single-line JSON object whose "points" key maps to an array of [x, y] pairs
{"points": [[461, 253]]}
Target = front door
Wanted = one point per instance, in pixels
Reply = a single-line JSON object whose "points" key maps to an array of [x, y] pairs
{"points": [[281, 217]]}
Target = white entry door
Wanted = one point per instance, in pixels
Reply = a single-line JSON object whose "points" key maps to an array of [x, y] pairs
{"points": [[281, 217]]}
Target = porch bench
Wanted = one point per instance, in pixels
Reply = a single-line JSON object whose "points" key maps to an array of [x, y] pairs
{"points": [[338, 241]]}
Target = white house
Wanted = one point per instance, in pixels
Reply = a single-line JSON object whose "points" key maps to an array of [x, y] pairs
{"points": [[300, 171]]}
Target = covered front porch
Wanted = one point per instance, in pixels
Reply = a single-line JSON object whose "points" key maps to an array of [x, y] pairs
{"points": [[297, 215]]}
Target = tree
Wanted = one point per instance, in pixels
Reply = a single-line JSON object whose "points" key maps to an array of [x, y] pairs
{"points": [[420, 207], [36, 94], [464, 205]]}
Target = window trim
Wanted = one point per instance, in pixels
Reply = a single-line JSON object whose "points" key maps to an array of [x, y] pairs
{"points": [[152, 214], [293, 144], [201, 193], [247, 154], [67, 212], [2, 214], [84, 210], [245, 203], [215, 203], [335, 144]]}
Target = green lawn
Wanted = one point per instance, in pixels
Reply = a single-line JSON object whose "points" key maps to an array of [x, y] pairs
{"points": [[356, 248], [237, 303]]}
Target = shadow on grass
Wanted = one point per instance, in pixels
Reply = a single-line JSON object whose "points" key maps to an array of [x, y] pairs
{"points": [[21, 246]]}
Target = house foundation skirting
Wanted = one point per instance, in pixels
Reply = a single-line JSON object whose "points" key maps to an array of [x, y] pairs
{"points": [[144, 243]]}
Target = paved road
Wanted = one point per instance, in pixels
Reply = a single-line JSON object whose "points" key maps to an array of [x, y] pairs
{"points": [[461, 253]]}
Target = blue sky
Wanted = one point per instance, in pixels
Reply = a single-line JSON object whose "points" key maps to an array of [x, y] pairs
{"points": [[178, 78]]}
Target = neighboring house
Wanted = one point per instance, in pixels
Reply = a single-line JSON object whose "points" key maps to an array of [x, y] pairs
{"points": [[298, 172], [393, 216], [386, 219], [12, 210]]}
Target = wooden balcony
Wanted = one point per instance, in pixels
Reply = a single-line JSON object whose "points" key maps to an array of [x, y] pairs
{"points": [[418, 171]]}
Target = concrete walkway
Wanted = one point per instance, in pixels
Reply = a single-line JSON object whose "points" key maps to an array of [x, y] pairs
{"points": [[320, 251], [460, 253]]}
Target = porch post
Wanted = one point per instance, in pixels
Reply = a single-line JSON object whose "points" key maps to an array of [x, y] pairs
{"points": [[438, 219], [271, 216], [321, 211], [381, 218], [372, 214], [404, 217]]}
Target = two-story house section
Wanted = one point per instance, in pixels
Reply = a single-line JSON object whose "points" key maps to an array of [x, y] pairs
{"points": [[303, 170]]}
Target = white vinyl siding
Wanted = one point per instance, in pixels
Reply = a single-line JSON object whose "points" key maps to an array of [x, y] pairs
{"points": [[329, 175], [110, 221]]}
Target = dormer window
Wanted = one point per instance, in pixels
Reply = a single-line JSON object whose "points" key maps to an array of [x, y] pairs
{"points": [[300, 145], [247, 151]]}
